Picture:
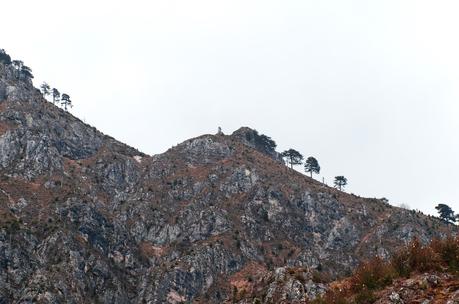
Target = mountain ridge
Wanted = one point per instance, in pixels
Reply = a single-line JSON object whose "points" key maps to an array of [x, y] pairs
{"points": [[86, 218]]}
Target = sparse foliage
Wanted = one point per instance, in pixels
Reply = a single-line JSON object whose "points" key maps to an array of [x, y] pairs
{"points": [[292, 157], [17, 64], [26, 72], [45, 89], [340, 182], [311, 166], [56, 95], [404, 206], [446, 213], [66, 102], [4, 57], [21, 69], [376, 274], [266, 142], [261, 141]]}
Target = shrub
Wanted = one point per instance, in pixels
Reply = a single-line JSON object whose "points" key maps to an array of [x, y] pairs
{"points": [[372, 275], [332, 297], [256, 301], [415, 257], [377, 273], [422, 258], [400, 263], [299, 277], [448, 252], [320, 277], [365, 296]]}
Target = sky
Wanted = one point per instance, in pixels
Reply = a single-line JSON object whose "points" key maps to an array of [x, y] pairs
{"points": [[369, 88]]}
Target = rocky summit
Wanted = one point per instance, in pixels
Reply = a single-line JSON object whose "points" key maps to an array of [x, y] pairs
{"points": [[87, 219]]}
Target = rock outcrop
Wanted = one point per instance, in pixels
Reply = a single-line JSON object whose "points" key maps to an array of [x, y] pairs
{"points": [[87, 219]]}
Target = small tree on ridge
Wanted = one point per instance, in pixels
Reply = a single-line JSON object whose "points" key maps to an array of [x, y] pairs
{"points": [[45, 89], [340, 182], [311, 166], [56, 95], [292, 157], [446, 213], [65, 101], [4, 57]]}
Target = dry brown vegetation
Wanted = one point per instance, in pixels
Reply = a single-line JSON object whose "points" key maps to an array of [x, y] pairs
{"points": [[374, 275]]}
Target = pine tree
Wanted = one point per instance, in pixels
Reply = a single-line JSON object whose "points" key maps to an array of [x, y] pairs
{"points": [[446, 213], [292, 157], [56, 95], [340, 182], [311, 166], [65, 101], [266, 142], [21, 69], [4, 57], [26, 72], [45, 89]]}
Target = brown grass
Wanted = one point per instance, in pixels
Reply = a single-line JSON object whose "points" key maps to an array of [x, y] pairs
{"points": [[149, 250], [376, 274]]}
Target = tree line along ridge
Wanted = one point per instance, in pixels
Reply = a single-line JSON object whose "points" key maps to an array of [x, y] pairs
{"points": [[25, 72], [291, 156]]}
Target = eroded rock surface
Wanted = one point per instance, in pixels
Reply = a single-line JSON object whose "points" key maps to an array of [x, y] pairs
{"points": [[87, 219]]}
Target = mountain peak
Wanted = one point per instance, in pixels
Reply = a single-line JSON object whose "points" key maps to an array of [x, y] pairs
{"points": [[16, 86], [37, 137], [85, 218]]}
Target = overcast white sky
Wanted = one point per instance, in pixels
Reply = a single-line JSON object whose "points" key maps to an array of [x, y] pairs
{"points": [[370, 88]]}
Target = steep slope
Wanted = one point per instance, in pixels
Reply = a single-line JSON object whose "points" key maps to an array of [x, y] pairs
{"points": [[416, 273], [295, 286], [84, 218], [430, 287]]}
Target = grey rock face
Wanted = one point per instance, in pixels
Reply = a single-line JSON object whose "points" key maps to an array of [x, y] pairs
{"points": [[87, 219], [286, 287], [395, 298], [2, 93]]}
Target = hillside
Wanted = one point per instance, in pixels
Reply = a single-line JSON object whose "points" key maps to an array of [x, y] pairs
{"points": [[416, 273], [87, 219]]}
